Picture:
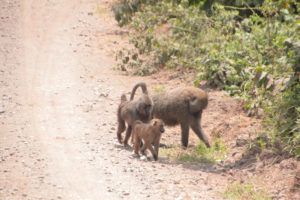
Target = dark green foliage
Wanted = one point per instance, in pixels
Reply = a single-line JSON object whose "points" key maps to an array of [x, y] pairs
{"points": [[125, 9], [207, 6]]}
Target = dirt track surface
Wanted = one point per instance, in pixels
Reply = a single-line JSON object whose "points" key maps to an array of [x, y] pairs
{"points": [[59, 95]]}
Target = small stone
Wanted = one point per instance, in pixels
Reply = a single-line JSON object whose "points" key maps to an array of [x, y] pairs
{"points": [[134, 155], [241, 142], [143, 158]]}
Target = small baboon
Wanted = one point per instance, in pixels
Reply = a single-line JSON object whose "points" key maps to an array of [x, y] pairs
{"points": [[130, 111], [149, 134], [182, 106]]}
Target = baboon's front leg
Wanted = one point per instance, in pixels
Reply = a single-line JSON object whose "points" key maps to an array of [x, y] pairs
{"points": [[196, 126], [152, 152]]}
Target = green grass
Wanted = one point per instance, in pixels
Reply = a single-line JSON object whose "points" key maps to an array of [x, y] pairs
{"points": [[246, 191], [198, 154], [158, 89]]}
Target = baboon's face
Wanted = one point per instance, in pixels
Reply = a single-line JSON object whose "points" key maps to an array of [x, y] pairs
{"points": [[161, 128], [145, 106], [147, 109], [159, 125]]}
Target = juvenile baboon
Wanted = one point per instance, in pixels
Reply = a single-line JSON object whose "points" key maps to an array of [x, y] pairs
{"points": [[130, 111], [182, 106], [149, 134]]}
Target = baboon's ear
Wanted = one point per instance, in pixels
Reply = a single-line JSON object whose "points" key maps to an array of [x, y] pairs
{"points": [[194, 105], [154, 122], [193, 98]]}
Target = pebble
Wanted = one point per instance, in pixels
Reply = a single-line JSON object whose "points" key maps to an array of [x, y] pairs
{"points": [[143, 158]]}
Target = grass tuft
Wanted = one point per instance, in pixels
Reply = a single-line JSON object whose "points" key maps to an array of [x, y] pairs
{"points": [[246, 191], [198, 154]]}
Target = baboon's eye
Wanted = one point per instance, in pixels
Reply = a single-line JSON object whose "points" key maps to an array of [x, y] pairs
{"points": [[147, 107]]}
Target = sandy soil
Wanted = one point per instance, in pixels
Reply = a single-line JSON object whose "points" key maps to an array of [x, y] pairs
{"points": [[58, 100]]}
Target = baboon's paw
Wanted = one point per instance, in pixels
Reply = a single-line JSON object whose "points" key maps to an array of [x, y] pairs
{"points": [[117, 144]]}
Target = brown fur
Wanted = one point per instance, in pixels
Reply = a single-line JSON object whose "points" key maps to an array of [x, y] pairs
{"points": [[130, 111], [182, 106], [149, 134]]}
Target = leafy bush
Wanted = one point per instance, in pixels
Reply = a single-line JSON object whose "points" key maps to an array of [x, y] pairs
{"points": [[255, 57]]}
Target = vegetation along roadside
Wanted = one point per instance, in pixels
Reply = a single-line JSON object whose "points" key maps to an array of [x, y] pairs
{"points": [[249, 48]]}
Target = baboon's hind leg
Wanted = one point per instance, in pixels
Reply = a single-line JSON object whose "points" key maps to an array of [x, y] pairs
{"points": [[121, 129], [143, 149], [153, 152], [184, 134], [136, 145], [127, 136]]}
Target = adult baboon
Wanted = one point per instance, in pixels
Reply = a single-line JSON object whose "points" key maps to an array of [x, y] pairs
{"points": [[182, 106], [149, 134], [130, 111]]}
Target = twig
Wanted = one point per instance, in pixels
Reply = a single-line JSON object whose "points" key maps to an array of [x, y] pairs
{"points": [[249, 7], [183, 29], [239, 8]]}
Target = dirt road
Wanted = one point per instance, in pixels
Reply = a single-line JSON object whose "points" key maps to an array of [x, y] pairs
{"points": [[59, 95]]}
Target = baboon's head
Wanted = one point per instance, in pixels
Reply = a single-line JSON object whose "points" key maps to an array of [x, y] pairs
{"points": [[197, 100], [144, 106], [158, 125]]}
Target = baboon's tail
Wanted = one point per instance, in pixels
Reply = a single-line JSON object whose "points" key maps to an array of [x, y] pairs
{"points": [[123, 98], [142, 85]]}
